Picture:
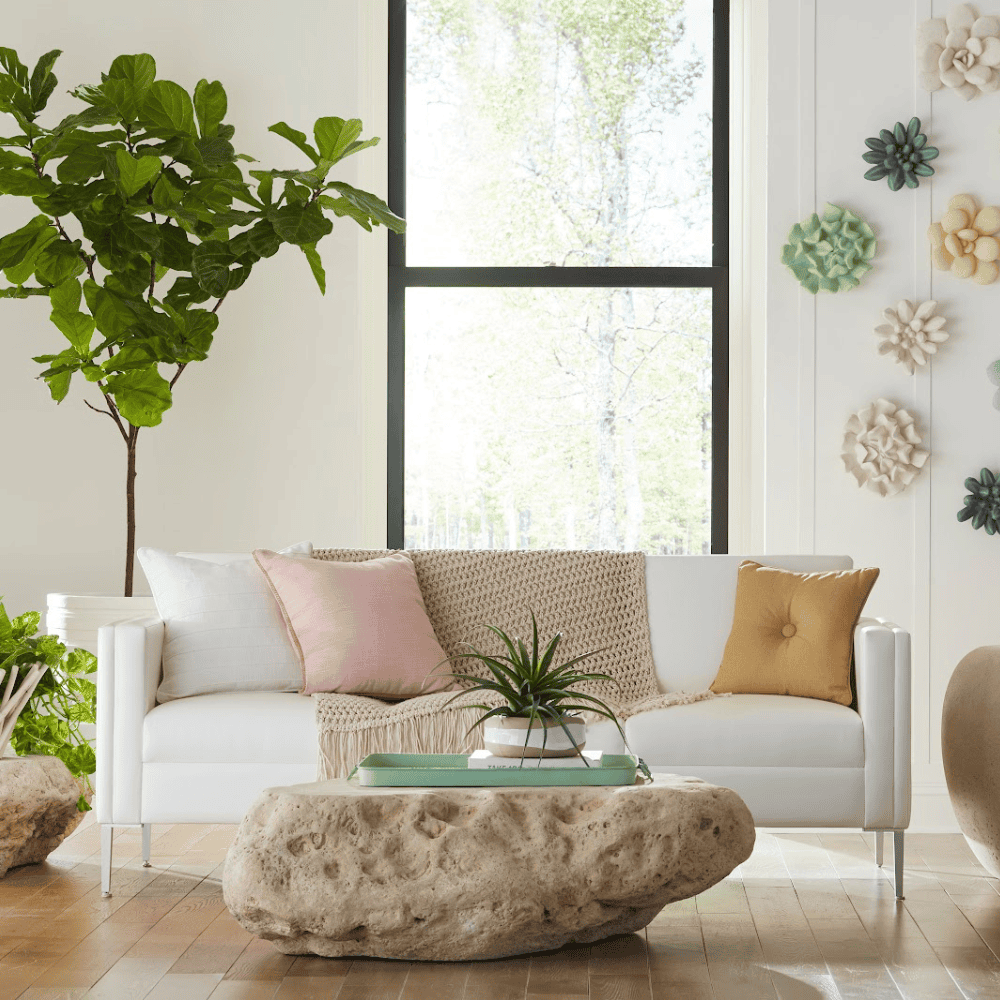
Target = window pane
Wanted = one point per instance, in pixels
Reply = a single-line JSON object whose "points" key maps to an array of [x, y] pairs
{"points": [[558, 418], [546, 132]]}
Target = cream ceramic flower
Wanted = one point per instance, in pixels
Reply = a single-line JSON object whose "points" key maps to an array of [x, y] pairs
{"points": [[961, 51], [964, 241], [880, 448], [912, 333]]}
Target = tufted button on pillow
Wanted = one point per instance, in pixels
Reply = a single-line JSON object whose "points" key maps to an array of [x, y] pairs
{"points": [[788, 630]]}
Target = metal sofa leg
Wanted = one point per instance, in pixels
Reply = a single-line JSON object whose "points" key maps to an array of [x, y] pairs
{"points": [[878, 848], [897, 858], [147, 829], [106, 834]]}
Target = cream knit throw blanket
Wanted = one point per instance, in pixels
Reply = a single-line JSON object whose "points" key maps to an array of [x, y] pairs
{"points": [[596, 599]]}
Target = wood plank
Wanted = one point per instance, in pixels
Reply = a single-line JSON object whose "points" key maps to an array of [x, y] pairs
{"points": [[735, 960], [184, 987], [853, 960], [370, 977], [215, 949], [436, 981], [620, 988], [501, 979], [564, 971]]}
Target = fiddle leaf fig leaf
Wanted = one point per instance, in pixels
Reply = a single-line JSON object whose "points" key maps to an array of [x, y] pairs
{"points": [[168, 108], [316, 263], [333, 136], [210, 105], [139, 70], [374, 209], [43, 81], [210, 266], [142, 396], [297, 138], [82, 163], [134, 174], [14, 247], [295, 224]]}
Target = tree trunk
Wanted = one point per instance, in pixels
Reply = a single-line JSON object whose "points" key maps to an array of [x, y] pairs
{"points": [[133, 436]]}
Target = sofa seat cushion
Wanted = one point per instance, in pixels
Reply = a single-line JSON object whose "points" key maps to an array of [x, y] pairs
{"points": [[235, 727], [751, 730]]}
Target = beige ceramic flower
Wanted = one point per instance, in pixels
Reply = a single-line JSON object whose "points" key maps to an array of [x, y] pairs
{"points": [[880, 448], [961, 51], [964, 241], [912, 333]]}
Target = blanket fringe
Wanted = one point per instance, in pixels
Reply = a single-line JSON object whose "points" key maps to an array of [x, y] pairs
{"points": [[442, 732]]}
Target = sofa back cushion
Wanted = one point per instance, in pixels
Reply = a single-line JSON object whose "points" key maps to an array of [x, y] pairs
{"points": [[357, 627], [223, 630], [691, 601]]}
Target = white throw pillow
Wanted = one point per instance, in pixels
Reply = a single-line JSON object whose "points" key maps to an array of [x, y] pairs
{"points": [[223, 628]]}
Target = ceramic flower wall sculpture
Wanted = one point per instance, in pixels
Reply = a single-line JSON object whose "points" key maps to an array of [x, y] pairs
{"points": [[982, 505], [830, 253], [881, 448], [901, 155], [964, 241], [960, 51], [912, 333], [993, 372]]}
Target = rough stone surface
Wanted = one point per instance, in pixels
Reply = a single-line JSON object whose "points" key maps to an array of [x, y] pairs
{"points": [[453, 874], [970, 747], [38, 798]]}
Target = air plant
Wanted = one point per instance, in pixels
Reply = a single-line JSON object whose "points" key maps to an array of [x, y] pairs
{"points": [[530, 685]]}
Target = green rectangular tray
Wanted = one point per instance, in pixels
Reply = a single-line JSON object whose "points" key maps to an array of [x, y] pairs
{"points": [[452, 769]]}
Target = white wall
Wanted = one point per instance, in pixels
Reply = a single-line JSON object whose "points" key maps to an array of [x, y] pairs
{"points": [[280, 435], [841, 70]]}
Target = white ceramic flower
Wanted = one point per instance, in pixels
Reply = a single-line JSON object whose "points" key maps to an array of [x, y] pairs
{"points": [[912, 333], [880, 448], [964, 241], [960, 51]]}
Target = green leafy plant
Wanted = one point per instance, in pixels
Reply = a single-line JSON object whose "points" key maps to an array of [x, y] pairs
{"points": [[530, 684], [64, 697], [163, 221]]}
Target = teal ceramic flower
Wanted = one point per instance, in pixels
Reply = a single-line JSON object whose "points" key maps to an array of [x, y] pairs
{"points": [[830, 253], [900, 155], [982, 505]]}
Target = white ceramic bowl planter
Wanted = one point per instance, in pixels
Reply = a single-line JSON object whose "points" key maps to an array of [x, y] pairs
{"points": [[505, 736]]}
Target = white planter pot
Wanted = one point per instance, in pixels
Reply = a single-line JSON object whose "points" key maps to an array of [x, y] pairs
{"points": [[506, 737], [75, 618]]}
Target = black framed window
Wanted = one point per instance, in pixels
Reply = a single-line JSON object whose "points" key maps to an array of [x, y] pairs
{"points": [[558, 307]]}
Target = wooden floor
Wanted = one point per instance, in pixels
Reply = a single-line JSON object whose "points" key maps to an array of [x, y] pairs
{"points": [[808, 916]]}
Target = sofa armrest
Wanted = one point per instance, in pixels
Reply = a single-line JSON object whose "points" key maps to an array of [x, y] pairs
{"points": [[882, 672], [128, 673]]}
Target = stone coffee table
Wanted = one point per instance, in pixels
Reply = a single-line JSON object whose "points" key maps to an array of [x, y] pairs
{"points": [[450, 874]]}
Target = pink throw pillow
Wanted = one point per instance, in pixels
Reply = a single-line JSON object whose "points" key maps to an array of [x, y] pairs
{"points": [[357, 628]]}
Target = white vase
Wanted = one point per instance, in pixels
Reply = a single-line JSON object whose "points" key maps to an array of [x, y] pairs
{"points": [[75, 618], [510, 736]]}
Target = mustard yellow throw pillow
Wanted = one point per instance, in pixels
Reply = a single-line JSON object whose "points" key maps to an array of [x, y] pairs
{"points": [[793, 632]]}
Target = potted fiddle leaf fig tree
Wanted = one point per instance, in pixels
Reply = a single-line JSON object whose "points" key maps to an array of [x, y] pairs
{"points": [[144, 224]]}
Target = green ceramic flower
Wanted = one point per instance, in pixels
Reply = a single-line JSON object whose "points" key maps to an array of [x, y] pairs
{"points": [[982, 504], [900, 155], [831, 253]]}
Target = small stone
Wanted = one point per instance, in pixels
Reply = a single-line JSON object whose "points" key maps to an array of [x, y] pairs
{"points": [[453, 874], [38, 798]]}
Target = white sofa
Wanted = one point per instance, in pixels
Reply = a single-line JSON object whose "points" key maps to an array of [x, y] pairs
{"points": [[796, 762]]}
